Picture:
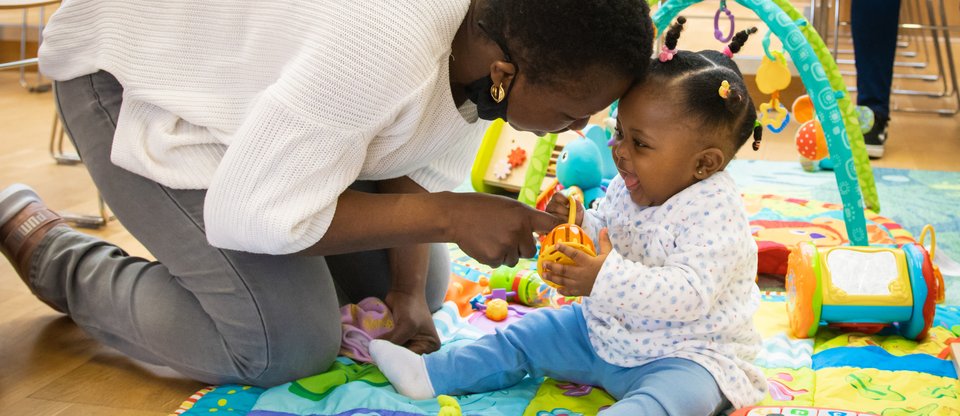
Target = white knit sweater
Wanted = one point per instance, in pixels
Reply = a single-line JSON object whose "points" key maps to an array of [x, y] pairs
{"points": [[274, 107]]}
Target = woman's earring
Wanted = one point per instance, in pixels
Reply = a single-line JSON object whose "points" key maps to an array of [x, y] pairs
{"points": [[699, 172], [497, 93]]}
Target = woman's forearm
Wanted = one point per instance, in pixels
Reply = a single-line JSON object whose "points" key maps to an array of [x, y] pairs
{"points": [[366, 221]]}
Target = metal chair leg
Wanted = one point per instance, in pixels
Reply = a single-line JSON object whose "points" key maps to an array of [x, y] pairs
{"points": [[57, 134], [40, 86], [89, 221]]}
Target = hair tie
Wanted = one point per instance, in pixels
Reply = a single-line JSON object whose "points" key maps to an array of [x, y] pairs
{"points": [[724, 90], [757, 135], [666, 53], [728, 52]]}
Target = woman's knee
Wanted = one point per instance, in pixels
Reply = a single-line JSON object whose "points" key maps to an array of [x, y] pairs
{"points": [[294, 357]]}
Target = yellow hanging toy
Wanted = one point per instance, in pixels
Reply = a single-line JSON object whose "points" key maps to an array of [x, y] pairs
{"points": [[773, 76]]}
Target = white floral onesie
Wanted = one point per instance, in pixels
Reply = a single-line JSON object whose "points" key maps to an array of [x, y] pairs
{"points": [[680, 282]]}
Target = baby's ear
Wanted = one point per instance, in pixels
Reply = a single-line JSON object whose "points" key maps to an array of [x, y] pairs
{"points": [[707, 162]]}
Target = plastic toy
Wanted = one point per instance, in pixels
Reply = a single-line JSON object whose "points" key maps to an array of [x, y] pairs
{"points": [[580, 165], [823, 81], [864, 288], [810, 138], [448, 406], [569, 234], [811, 142], [521, 285], [795, 411], [717, 33], [773, 76], [507, 157], [600, 136]]}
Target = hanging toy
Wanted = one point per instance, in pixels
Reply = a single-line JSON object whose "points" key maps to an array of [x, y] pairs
{"points": [[773, 76], [810, 139], [717, 33], [569, 234]]}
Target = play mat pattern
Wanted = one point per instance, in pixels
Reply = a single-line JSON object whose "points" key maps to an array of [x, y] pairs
{"points": [[883, 374]]}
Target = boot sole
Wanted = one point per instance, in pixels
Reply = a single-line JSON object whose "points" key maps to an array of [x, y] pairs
{"points": [[875, 151]]}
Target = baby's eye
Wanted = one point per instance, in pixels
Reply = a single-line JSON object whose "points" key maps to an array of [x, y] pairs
{"points": [[617, 135], [638, 143]]}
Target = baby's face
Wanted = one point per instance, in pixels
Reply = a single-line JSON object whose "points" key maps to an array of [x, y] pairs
{"points": [[656, 151]]}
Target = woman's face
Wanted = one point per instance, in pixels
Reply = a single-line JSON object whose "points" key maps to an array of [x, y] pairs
{"points": [[545, 109]]}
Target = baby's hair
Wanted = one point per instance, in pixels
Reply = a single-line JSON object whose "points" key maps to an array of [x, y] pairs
{"points": [[698, 76]]}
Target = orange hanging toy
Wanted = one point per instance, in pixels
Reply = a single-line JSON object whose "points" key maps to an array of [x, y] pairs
{"points": [[569, 234]]}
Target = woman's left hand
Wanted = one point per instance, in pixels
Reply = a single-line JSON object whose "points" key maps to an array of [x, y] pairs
{"points": [[413, 323], [577, 279]]}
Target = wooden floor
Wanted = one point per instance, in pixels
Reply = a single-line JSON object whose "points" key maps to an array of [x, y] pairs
{"points": [[49, 367]]}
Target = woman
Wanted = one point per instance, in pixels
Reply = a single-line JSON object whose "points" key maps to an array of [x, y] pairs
{"points": [[273, 156]]}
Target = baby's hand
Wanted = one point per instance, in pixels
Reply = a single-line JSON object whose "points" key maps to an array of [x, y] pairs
{"points": [[578, 279], [559, 206]]}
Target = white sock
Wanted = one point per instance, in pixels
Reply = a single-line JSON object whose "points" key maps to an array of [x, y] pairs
{"points": [[405, 369]]}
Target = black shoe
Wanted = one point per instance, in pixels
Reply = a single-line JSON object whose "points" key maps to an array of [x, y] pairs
{"points": [[875, 138]]}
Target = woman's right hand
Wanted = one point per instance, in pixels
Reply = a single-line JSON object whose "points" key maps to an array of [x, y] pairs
{"points": [[559, 206], [496, 230]]}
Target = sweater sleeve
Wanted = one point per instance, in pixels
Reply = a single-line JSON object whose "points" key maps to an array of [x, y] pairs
{"points": [[276, 188], [450, 170]]}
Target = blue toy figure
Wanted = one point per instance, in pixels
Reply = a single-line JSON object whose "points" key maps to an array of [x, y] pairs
{"points": [[588, 164], [580, 165], [601, 137]]}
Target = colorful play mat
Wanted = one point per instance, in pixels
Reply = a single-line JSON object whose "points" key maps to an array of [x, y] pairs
{"points": [[883, 373]]}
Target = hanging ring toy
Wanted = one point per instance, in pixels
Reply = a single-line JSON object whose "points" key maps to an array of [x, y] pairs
{"points": [[717, 33]]}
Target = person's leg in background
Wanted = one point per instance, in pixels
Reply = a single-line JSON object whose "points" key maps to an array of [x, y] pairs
{"points": [[874, 24]]}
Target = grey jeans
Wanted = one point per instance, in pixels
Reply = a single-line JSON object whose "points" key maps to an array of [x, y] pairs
{"points": [[218, 316]]}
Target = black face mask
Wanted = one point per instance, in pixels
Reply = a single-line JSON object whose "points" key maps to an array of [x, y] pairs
{"points": [[479, 91], [487, 109]]}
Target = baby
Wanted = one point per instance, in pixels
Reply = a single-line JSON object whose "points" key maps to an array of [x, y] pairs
{"points": [[666, 323]]}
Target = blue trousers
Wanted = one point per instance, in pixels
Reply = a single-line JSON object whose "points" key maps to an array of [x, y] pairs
{"points": [[555, 343], [874, 27]]}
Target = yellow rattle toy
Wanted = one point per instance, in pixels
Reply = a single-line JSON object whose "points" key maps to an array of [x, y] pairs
{"points": [[569, 234]]}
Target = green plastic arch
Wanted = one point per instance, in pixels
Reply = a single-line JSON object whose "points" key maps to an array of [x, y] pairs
{"points": [[829, 98]]}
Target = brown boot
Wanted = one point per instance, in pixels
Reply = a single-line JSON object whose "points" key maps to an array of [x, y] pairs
{"points": [[24, 221]]}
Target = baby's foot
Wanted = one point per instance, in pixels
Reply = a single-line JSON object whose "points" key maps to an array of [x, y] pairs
{"points": [[405, 369]]}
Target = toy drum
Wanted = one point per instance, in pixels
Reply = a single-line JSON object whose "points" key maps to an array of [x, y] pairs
{"points": [[863, 288]]}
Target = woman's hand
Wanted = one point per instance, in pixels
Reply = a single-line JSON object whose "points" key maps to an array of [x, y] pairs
{"points": [[559, 206], [578, 279], [496, 230], [413, 323]]}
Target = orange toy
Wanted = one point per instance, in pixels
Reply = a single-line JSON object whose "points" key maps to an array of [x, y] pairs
{"points": [[811, 143], [569, 234]]}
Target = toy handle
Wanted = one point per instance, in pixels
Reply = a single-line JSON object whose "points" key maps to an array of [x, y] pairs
{"points": [[717, 33], [572, 217], [933, 239]]}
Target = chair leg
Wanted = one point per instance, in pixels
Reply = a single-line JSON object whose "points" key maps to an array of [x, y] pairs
{"points": [[89, 221], [57, 136], [40, 86], [56, 144]]}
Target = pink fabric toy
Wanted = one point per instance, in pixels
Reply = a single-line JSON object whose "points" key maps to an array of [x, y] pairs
{"points": [[361, 323]]}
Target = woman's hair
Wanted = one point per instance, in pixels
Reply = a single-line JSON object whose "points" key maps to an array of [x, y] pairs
{"points": [[555, 41], [696, 78]]}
